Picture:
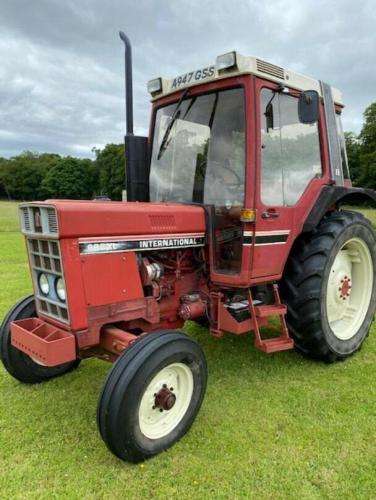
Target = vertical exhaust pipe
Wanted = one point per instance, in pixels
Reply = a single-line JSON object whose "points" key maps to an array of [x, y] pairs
{"points": [[128, 82], [136, 147]]}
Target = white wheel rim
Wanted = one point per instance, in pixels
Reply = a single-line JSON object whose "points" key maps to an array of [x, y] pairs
{"points": [[176, 378], [349, 289]]}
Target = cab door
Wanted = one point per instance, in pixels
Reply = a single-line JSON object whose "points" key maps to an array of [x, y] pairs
{"points": [[224, 187], [288, 162]]}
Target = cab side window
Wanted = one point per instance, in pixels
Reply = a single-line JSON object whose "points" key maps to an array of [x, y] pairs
{"points": [[342, 144], [290, 150]]}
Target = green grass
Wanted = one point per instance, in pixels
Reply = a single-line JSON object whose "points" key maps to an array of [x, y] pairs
{"points": [[8, 217], [276, 426], [367, 212]]}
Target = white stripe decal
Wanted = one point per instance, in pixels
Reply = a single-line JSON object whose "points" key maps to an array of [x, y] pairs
{"points": [[134, 244], [138, 237], [263, 238], [274, 233]]}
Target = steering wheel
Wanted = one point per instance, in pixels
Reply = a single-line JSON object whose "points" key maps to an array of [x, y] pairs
{"points": [[226, 167]]}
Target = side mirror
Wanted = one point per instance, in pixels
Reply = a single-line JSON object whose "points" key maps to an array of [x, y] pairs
{"points": [[269, 115], [308, 106]]}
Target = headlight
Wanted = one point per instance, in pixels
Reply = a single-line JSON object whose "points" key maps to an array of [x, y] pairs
{"points": [[44, 286], [60, 289]]}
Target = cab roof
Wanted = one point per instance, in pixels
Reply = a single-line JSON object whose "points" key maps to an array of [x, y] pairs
{"points": [[244, 65]]}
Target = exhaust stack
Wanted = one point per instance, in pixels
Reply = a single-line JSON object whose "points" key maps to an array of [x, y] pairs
{"points": [[136, 147], [128, 82]]}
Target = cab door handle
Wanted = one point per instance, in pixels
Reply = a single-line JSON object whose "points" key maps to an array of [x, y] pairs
{"points": [[270, 214]]}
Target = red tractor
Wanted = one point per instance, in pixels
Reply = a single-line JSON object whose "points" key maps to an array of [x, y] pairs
{"points": [[232, 217]]}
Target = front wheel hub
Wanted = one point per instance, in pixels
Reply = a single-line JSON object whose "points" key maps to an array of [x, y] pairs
{"points": [[345, 288], [165, 399]]}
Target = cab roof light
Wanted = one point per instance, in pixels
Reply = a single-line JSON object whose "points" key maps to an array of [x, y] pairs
{"points": [[154, 86], [226, 61]]}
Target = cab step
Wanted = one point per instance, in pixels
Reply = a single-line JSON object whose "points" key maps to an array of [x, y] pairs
{"points": [[276, 344], [266, 311], [260, 312]]}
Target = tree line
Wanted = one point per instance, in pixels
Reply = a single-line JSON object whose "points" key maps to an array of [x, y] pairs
{"points": [[38, 176], [361, 151]]}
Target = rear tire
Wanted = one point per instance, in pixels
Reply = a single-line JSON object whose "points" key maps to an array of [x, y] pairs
{"points": [[158, 370], [19, 364], [329, 286]]}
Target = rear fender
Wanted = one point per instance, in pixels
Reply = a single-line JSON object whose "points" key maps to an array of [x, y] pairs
{"points": [[334, 196]]}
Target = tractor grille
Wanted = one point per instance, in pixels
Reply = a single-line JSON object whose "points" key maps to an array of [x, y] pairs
{"points": [[45, 257], [39, 220], [25, 220], [270, 69], [52, 221]]}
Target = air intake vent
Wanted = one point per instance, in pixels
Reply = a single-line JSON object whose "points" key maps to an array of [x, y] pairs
{"points": [[270, 69], [162, 221], [39, 219], [52, 220], [25, 219]]}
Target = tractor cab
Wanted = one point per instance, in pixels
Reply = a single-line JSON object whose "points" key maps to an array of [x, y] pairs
{"points": [[247, 140]]}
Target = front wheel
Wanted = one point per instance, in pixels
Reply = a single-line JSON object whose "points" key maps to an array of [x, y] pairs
{"points": [[19, 364], [329, 287], [152, 395]]}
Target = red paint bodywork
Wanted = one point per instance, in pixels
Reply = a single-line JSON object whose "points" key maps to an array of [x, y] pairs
{"points": [[106, 289], [43, 342]]}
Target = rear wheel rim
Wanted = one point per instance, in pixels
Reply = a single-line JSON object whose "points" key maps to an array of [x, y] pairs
{"points": [[155, 420], [349, 289]]}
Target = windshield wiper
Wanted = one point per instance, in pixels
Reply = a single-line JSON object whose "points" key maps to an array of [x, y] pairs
{"points": [[174, 117]]}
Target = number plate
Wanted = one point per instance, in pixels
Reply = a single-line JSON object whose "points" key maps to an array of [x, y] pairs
{"points": [[193, 76]]}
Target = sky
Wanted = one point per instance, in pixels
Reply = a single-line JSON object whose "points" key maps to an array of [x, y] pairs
{"points": [[61, 61]]}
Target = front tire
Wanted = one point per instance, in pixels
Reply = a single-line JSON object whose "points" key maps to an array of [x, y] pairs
{"points": [[329, 286], [152, 395], [19, 364]]}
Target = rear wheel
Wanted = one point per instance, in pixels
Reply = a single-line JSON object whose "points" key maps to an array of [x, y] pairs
{"points": [[329, 287], [152, 395], [19, 364]]}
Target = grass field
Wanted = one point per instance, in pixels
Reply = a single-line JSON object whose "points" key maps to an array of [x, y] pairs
{"points": [[271, 427]]}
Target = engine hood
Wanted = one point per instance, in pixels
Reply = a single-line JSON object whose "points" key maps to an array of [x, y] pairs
{"points": [[111, 218]]}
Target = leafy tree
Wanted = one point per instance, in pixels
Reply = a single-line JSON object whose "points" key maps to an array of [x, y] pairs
{"points": [[353, 149], [367, 138], [4, 193], [70, 178], [368, 133], [111, 170], [21, 176]]}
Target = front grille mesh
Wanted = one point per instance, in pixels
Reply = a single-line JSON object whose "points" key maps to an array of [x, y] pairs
{"points": [[162, 221], [45, 257]]}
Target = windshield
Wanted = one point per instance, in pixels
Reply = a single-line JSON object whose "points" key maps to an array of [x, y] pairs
{"points": [[199, 150]]}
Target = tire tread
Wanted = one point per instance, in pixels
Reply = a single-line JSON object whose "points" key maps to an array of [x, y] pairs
{"points": [[301, 283]]}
